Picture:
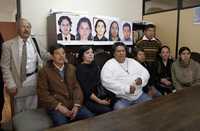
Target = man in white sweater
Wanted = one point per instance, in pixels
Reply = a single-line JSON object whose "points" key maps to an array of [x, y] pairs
{"points": [[125, 77]]}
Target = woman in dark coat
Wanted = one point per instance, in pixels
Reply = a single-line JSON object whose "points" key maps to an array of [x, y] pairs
{"points": [[88, 75], [163, 77]]}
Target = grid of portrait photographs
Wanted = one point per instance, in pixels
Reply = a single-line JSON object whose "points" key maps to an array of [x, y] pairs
{"points": [[73, 29]]}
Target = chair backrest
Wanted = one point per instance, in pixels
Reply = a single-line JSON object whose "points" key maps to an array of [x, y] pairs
{"points": [[101, 58], [195, 56]]}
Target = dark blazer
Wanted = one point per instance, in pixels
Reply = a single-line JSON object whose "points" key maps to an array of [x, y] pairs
{"points": [[53, 89], [102, 39], [59, 36]]}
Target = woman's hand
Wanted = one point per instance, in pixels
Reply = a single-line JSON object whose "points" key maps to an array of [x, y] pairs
{"points": [[104, 102]]}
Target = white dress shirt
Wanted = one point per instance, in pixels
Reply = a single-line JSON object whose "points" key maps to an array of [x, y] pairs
{"points": [[145, 38], [32, 58], [31, 55]]}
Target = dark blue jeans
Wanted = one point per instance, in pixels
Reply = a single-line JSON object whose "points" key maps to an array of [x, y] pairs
{"points": [[60, 119], [97, 108]]}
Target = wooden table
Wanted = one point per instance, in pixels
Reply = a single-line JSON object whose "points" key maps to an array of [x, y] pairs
{"points": [[175, 112]]}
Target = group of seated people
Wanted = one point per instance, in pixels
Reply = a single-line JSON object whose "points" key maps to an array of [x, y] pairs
{"points": [[70, 93]]}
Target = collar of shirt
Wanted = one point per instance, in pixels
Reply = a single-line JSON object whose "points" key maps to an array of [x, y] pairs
{"points": [[68, 37], [59, 68], [145, 38], [22, 41]]}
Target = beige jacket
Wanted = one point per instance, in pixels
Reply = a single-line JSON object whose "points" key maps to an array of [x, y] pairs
{"points": [[11, 62]]}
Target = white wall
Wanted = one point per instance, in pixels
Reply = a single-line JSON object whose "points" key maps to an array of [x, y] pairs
{"points": [[8, 10], [36, 11]]}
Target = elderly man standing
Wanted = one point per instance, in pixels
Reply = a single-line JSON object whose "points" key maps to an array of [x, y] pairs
{"points": [[21, 58], [125, 77]]}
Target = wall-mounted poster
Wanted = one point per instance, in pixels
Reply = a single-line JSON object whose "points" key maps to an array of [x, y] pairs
{"points": [[73, 29], [197, 15]]}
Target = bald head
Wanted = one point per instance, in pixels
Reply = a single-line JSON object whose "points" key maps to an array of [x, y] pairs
{"points": [[23, 28]]}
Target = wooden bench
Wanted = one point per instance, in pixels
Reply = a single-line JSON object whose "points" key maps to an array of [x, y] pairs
{"points": [[175, 112]]}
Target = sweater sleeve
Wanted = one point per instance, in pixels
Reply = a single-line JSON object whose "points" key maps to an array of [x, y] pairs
{"points": [[110, 83], [143, 73], [197, 75], [176, 84]]}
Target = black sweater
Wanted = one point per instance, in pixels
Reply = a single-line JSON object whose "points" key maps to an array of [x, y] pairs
{"points": [[88, 76]]}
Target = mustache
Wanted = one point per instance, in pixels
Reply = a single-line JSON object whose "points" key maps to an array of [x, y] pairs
{"points": [[27, 32]]}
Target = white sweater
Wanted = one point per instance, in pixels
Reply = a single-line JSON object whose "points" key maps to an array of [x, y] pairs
{"points": [[117, 80]]}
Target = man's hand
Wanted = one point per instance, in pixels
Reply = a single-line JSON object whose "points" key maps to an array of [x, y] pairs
{"points": [[132, 89], [74, 111], [152, 91], [13, 91], [64, 110], [138, 81]]}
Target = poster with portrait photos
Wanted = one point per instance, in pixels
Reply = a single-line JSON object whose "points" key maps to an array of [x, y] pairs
{"points": [[74, 29], [102, 30]]}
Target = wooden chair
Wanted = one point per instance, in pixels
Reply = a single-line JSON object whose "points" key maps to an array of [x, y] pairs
{"points": [[195, 56]]}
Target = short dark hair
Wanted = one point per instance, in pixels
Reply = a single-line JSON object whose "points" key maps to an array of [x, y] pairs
{"points": [[149, 26], [127, 25], [55, 47], [115, 45], [136, 50], [63, 18], [165, 46], [100, 20], [183, 49], [81, 51]]}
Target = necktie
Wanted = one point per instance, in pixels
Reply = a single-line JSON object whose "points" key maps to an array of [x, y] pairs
{"points": [[23, 62]]}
